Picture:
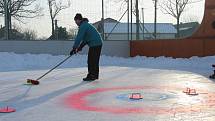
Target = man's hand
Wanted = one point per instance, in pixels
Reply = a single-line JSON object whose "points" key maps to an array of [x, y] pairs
{"points": [[73, 51], [81, 46]]}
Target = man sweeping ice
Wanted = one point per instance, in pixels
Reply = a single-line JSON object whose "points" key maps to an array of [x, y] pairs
{"points": [[87, 34]]}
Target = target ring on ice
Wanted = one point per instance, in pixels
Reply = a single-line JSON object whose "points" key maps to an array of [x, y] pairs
{"points": [[182, 102]]}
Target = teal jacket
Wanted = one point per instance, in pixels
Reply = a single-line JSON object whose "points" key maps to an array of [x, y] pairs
{"points": [[87, 34]]}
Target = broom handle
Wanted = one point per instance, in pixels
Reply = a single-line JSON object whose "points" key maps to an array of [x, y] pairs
{"points": [[54, 67]]}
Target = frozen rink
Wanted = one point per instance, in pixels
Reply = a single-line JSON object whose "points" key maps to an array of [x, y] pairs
{"points": [[63, 96]]}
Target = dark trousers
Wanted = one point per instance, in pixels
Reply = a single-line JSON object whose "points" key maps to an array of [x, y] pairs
{"points": [[93, 61]]}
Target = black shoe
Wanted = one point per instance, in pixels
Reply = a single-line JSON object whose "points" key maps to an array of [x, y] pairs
{"points": [[89, 79], [212, 76]]}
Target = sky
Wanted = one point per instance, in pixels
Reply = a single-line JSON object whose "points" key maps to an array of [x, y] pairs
{"points": [[113, 9]]}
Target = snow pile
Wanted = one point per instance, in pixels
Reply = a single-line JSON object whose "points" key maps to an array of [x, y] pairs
{"points": [[15, 62]]}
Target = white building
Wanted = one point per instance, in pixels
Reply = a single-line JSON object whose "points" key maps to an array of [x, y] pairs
{"points": [[120, 32]]}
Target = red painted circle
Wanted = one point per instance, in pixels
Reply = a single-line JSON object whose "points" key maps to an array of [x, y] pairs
{"points": [[7, 110], [79, 101]]}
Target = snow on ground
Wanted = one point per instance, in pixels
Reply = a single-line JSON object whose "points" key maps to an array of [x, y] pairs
{"points": [[58, 98], [17, 62]]}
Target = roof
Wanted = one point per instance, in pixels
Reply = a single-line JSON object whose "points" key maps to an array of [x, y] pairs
{"points": [[187, 29], [108, 20], [149, 28], [187, 25]]}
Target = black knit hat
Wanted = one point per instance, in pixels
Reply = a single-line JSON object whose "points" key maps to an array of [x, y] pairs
{"points": [[78, 16]]}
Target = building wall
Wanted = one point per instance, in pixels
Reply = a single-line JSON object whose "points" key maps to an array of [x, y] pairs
{"points": [[201, 43], [110, 48]]}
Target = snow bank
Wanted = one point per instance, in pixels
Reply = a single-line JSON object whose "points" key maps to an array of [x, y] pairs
{"points": [[15, 62]]}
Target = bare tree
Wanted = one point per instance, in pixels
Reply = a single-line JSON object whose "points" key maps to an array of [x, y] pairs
{"points": [[190, 18], [124, 4], [54, 9], [18, 9], [21, 8], [175, 8]]}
